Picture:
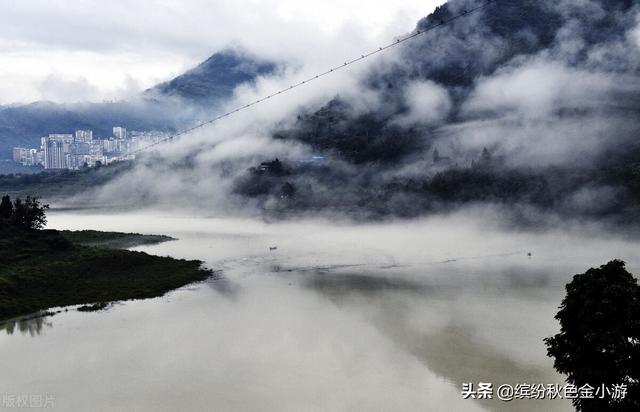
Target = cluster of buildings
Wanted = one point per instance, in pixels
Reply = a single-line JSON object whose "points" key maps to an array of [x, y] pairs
{"points": [[81, 149]]}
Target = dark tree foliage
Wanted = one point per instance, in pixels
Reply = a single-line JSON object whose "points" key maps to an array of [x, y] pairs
{"points": [[486, 184], [61, 183], [599, 339], [621, 166], [6, 207], [28, 214], [360, 139], [261, 180], [288, 189]]}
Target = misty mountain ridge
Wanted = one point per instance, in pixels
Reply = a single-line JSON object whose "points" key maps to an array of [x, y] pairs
{"points": [[550, 90], [214, 79], [532, 106], [168, 106]]}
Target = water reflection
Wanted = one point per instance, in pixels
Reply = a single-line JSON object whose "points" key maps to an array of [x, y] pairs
{"points": [[339, 286], [33, 325], [339, 317], [224, 286], [452, 347]]}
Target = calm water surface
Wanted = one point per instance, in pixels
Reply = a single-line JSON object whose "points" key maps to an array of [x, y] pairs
{"points": [[388, 317]]}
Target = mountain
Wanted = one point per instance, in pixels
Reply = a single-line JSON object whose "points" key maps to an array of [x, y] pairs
{"points": [[531, 104], [165, 107], [459, 57], [215, 78]]}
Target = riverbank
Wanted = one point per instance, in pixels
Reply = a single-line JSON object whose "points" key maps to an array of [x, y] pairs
{"points": [[40, 269], [112, 240]]}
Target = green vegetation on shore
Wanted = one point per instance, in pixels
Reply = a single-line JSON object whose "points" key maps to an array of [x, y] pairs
{"points": [[112, 240], [40, 269], [60, 184]]}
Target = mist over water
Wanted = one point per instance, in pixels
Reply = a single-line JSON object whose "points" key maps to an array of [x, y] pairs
{"points": [[341, 316]]}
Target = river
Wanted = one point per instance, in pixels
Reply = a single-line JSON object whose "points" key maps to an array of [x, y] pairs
{"points": [[378, 317]]}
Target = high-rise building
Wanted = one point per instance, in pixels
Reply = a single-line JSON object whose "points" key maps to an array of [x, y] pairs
{"points": [[18, 153], [96, 148], [39, 157], [120, 133], [53, 155], [84, 136], [56, 146], [78, 155], [24, 156], [110, 146]]}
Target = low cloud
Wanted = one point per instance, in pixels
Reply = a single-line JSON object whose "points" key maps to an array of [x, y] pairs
{"points": [[635, 34], [543, 108], [539, 88], [56, 87], [427, 104]]}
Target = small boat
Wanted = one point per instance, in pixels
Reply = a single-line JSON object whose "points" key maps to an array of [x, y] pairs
{"points": [[272, 248]]}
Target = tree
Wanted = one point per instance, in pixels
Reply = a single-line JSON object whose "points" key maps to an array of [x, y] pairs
{"points": [[29, 214], [436, 156], [287, 190], [599, 339], [6, 207], [485, 157]]}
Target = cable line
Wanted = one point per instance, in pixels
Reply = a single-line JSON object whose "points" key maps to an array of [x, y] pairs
{"points": [[395, 43]]}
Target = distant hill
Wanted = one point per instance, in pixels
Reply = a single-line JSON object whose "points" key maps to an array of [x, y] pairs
{"points": [[214, 79], [165, 107]]}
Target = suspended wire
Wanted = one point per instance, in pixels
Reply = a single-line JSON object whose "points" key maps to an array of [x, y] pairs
{"points": [[397, 42]]}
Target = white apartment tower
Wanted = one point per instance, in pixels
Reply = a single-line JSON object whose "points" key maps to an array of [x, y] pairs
{"points": [[120, 133], [55, 146], [84, 136]]}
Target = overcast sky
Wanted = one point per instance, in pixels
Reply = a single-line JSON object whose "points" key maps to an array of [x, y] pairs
{"points": [[73, 50]]}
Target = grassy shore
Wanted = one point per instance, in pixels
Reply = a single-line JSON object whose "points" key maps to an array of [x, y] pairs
{"points": [[40, 269], [112, 240], [60, 184]]}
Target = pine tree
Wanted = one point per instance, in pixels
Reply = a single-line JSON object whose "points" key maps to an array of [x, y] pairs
{"points": [[436, 156], [486, 156]]}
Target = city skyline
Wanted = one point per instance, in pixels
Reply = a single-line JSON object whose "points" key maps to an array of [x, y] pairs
{"points": [[80, 149]]}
